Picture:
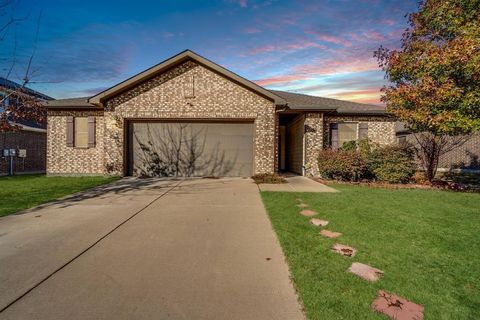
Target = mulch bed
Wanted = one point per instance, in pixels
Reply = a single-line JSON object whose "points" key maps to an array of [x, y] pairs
{"points": [[436, 185]]}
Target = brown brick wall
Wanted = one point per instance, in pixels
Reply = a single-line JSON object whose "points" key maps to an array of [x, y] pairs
{"points": [[313, 141], [381, 130], [465, 156], [33, 142], [165, 96], [70, 160]]}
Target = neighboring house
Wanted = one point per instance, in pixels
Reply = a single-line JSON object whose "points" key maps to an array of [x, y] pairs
{"points": [[188, 116], [31, 138], [465, 157]]}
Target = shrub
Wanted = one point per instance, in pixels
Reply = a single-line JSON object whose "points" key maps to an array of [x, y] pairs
{"points": [[346, 165], [392, 163], [271, 178], [367, 161], [350, 145], [419, 177]]}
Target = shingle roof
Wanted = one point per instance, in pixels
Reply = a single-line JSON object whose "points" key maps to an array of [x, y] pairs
{"points": [[13, 86], [79, 103], [297, 101]]}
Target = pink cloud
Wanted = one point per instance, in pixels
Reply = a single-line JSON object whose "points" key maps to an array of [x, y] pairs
{"points": [[374, 35], [339, 65], [286, 48], [334, 39], [252, 30], [263, 49], [243, 3], [281, 79], [370, 96], [330, 38], [343, 62], [389, 22]]}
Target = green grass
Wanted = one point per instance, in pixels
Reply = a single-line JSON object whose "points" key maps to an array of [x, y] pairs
{"points": [[26, 191], [427, 242]]}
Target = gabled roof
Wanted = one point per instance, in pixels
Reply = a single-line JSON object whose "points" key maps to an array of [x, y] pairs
{"points": [[293, 101], [297, 101], [175, 60], [14, 86]]}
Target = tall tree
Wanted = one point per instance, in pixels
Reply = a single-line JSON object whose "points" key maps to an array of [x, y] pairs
{"points": [[435, 76]]}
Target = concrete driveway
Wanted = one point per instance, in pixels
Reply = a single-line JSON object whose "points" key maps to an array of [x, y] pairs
{"points": [[147, 249]]}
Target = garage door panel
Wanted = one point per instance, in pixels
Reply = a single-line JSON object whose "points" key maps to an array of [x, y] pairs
{"points": [[190, 149]]}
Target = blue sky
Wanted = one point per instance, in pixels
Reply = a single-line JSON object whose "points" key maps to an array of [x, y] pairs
{"points": [[322, 48]]}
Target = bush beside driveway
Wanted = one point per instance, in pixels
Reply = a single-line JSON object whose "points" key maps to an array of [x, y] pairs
{"points": [[22, 192], [425, 241]]}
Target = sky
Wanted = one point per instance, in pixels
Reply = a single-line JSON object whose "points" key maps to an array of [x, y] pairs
{"points": [[323, 48]]}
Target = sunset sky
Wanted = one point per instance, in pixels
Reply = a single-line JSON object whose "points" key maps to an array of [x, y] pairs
{"points": [[322, 48]]}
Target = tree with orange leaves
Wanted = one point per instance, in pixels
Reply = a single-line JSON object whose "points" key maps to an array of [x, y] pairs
{"points": [[435, 77]]}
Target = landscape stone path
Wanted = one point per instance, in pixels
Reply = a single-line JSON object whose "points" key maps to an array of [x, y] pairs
{"points": [[330, 234], [365, 271], [308, 213], [396, 307], [393, 306], [318, 222], [344, 250]]}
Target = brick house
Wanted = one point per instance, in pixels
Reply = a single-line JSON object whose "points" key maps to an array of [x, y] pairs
{"points": [[188, 116], [31, 137]]}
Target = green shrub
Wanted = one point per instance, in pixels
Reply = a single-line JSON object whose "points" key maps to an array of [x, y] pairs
{"points": [[350, 145], [366, 161], [392, 163], [346, 165], [271, 178]]}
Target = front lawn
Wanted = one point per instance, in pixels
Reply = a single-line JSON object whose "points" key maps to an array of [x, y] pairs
{"points": [[427, 242], [26, 191]]}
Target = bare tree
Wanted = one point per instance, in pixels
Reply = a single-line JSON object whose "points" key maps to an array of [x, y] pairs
{"points": [[17, 102], [430, 147]]}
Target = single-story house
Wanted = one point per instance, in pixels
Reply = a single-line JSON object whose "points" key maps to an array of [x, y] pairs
{"points": [[29, 142], [188, 116]]}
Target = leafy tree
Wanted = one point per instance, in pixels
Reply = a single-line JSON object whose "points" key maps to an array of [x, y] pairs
{"points": [[435, 76]]}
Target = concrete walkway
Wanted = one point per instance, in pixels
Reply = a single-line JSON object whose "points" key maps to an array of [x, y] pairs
{"points": [[297, 184], [147, 249]]}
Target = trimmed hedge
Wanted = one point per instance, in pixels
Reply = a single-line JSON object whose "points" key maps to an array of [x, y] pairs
{"points": [[270, 178], [345, 165], [393, 163]]}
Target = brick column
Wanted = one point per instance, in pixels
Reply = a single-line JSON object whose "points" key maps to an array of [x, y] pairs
{"points": [[313, 142]]}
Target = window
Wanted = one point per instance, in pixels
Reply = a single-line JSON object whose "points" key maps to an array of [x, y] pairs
{"points": [[347, 132], [81, 132], [341, 133]]}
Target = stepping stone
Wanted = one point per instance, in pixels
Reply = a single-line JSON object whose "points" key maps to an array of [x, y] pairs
{"points": [[365, 271], [302, 205], [396, 307], [308, 213], [344, 250], [330, 234], [318, 222]]}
